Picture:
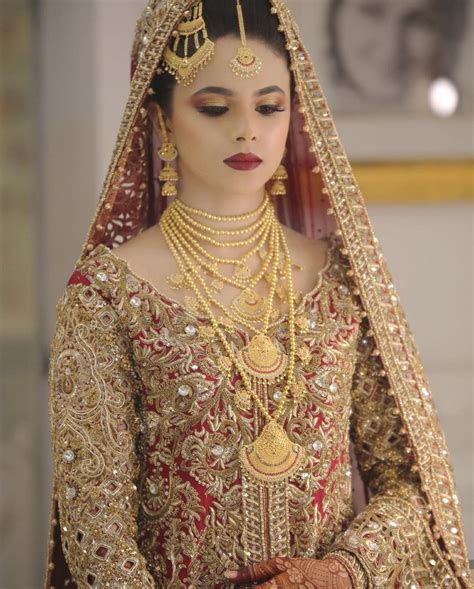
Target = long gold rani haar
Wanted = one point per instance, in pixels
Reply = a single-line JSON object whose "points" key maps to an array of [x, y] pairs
{"points": [[272, 457]]}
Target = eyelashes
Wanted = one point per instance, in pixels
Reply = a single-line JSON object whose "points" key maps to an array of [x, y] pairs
{"points": [[217, 111]]}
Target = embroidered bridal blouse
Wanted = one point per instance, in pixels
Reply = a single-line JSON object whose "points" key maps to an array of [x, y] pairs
{"points": [[146, 434]]}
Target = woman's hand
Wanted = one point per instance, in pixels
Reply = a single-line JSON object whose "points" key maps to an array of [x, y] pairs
{"points": [[286, 573]]}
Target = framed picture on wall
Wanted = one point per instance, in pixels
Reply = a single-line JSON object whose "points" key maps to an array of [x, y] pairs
{"points": [[398, 79]]}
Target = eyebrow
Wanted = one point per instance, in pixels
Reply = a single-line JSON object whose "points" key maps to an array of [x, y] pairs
{"points": [[227, 92]]}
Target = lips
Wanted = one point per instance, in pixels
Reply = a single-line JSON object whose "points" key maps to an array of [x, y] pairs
{"points": [[243, 161], [243, 157]]}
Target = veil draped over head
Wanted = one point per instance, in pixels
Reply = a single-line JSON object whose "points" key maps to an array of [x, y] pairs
{"points": [[323, 200]]}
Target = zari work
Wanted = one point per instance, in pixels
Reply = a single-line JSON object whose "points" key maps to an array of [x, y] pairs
{"points": [[145, 424], [135, 370]]}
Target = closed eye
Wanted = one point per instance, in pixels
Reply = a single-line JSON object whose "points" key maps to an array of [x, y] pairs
{"points": [[216, 111]]}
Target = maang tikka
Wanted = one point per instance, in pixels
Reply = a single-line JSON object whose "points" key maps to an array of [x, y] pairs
{"points": [[184, 66], [245, 63]]}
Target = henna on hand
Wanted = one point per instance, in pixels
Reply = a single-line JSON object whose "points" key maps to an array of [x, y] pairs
{"points": [[287, 573]]}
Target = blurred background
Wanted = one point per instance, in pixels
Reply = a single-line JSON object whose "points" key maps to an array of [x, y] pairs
{"points": [[398, 75]]}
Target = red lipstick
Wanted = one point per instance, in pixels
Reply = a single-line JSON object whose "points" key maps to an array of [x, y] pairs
{"points": [[243, 161]]}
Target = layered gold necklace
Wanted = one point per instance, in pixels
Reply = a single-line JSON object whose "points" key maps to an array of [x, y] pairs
{"points": [[272, 457]]}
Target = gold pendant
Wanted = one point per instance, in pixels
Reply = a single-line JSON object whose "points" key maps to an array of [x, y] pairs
{"points": [[217, 285], [176, 281], [272, 457], [245, 63], [249, 304], [261, 358], [242, 271]]}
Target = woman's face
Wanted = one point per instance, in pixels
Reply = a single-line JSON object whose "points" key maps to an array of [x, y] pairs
{"points": [[221, 114]]}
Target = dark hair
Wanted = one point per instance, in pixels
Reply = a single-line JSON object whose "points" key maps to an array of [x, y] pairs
{"points": [[220, 17]]}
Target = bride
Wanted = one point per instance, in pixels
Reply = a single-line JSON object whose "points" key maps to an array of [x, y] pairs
{"points": [[235, 394]]}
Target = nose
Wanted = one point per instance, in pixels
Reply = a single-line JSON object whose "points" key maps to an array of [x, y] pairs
{"points": [[246, 137], [245, 130]]}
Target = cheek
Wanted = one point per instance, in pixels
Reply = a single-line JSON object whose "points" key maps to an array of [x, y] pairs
{"points": [[276, 132], [193, 136]]}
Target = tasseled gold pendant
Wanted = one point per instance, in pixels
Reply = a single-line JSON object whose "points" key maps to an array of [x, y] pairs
{"points": [[261, 358], [249, 304], [272, 457], [245, 63]]}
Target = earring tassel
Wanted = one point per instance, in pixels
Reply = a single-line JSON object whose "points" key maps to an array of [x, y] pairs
{"points": [[169, 176]]}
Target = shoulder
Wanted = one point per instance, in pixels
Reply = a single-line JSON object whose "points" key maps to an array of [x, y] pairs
{"points": [[139, 249], [147, 255], [306, 250]]}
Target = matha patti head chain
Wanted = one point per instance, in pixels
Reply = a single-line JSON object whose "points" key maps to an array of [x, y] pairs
{"points": [[184, 63]]}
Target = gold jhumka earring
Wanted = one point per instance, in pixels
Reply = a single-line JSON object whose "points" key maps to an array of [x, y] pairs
{"points": [[278, 187], [167, 153]]}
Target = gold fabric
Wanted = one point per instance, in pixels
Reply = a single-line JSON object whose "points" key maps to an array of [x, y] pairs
{"points": [[113, 408]]}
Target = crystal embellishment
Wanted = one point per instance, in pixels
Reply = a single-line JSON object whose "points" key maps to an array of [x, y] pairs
{"points": [[425, 392], [68, 455], [102, 276], [317, 445], [312, 323], [184, 390], [190, 330], [333, 387], [217, 450], [135, 302], [153, 489], [277, 395], [71, 492]]}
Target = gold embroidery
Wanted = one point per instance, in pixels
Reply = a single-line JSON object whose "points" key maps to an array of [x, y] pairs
{"points": [[191, 428]]}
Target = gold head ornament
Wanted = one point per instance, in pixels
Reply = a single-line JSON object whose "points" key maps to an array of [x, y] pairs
{"points": [[185, 67]]}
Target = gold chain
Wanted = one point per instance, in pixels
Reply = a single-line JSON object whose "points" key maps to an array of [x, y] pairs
{"points": [[174, 241], [194, 248], [226, 218], [187, 265]]}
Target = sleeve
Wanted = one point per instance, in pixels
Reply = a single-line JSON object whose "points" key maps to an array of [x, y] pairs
{"points": [[390, 543], [94, 424]]}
